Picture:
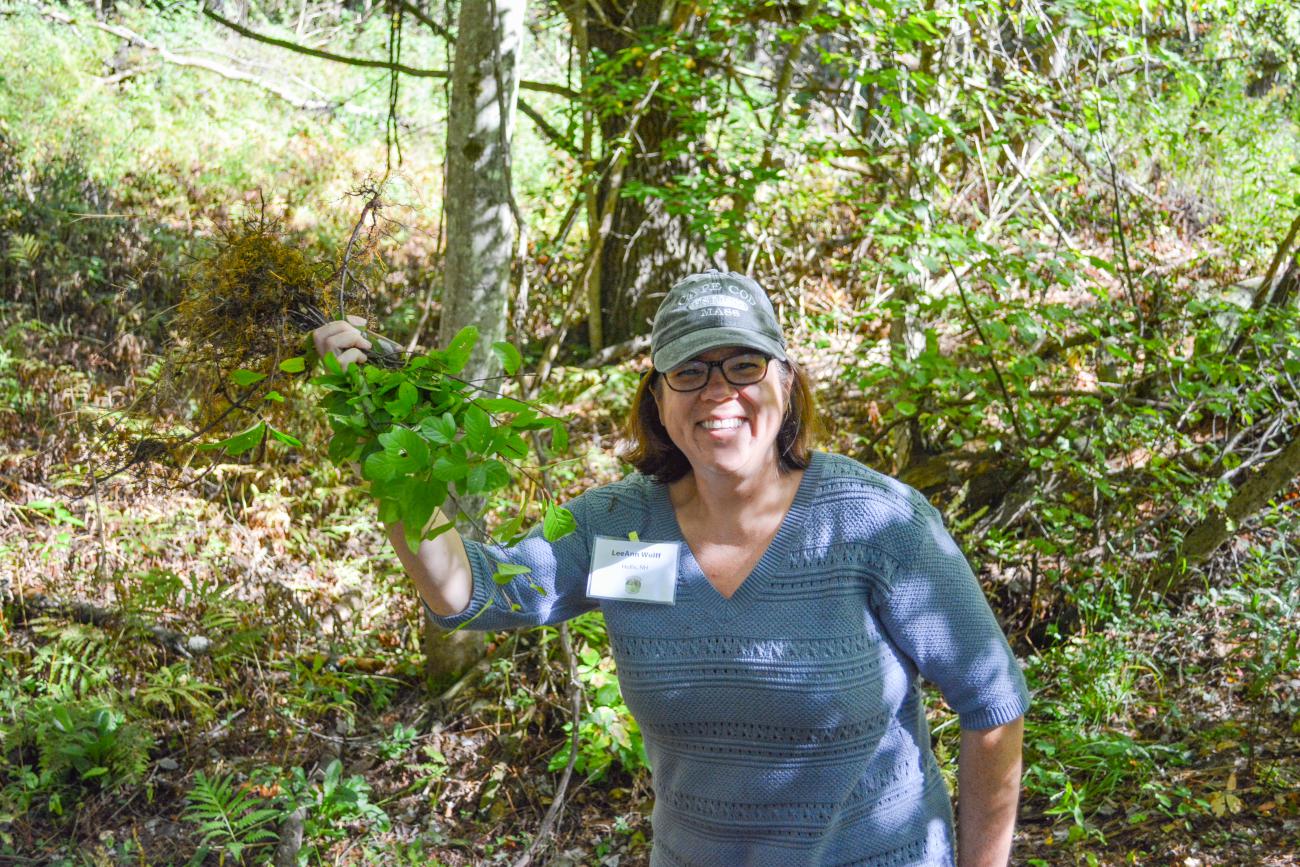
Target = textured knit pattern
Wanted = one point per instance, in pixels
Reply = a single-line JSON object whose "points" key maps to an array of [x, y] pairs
{"points": [[784, 725]]}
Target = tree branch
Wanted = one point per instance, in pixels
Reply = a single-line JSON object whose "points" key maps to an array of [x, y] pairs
{"points": [[1215, 529], [366, 62], [227, 72], [551, 133], [557, 802]]}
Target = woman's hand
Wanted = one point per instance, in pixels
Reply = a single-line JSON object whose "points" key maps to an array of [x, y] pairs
{"points": [[342, 338]]}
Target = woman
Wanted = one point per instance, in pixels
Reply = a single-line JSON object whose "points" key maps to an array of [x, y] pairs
{"points": [[771, 617]]}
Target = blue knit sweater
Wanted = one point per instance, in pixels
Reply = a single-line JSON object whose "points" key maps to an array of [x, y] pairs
{"points": [[784, 726]]}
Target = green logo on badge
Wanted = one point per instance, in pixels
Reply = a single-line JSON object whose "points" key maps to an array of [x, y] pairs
{"points": [[633, 585]]}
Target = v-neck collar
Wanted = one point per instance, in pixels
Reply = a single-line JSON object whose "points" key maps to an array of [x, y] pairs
{"points": [[694, 587]]}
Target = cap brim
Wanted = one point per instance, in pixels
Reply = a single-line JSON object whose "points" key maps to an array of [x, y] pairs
{"points": [[690, 345]]}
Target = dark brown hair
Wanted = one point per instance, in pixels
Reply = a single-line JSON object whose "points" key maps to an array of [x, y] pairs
{"points": [[652, 451]]}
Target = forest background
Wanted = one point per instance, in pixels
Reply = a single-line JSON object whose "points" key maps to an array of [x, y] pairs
{"points": [[1040, 257]]}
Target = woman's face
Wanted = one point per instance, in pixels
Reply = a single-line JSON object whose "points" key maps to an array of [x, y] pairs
{"points": [[724, 428]]}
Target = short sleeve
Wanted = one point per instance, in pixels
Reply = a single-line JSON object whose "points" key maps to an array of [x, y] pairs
{"points": [[552, 591], [935, 611]]}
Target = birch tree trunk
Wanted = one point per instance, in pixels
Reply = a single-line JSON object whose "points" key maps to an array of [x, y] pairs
{"points": [[480, 225], [480, 221]]}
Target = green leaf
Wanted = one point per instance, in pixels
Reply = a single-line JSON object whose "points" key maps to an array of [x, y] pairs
{"points": [[507, 571], [408, 449], [332, 365], [559, 435], [342, 446], [478, 429], [905, 408], [440, 428], [510, 444], [390, 511], [407, 396], [381, 466], [240, 442], [297, 364], [281, 436], [509, 532], [501, 404], [274, 396], [476, 479], [460, 348], [417, 508], [497, 476], [449, 467], [557, 523], [243, 377], [509, 355]]}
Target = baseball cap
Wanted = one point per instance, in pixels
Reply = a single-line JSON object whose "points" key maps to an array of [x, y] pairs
{"points": [[713, 309]]}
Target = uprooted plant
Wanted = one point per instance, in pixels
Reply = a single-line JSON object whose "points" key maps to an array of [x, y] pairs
{"points": [[420, 434]]}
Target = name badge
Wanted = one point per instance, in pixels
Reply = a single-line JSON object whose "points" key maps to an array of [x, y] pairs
{"points": [[633, 571]]}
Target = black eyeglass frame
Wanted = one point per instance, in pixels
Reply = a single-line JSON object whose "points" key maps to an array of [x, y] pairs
{"points": [[720, 364]]}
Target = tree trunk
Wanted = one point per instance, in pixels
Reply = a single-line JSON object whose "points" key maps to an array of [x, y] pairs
{"points": [[1263, 484], [480, 223], [648, 249]]}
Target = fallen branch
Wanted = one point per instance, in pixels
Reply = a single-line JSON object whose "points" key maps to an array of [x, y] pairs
{"points": [[78, 611], [1220, 525], [618, 352], [557, 802], [286, 851]]}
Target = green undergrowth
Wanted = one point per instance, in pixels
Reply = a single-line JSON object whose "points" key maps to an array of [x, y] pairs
{"points": [[1169, 719]]}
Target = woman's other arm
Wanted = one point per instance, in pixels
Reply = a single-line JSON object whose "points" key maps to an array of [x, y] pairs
{"points": [[988, 791], [440, 568]]}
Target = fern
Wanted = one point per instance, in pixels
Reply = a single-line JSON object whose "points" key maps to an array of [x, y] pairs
{"points": [[230, 818], [23, 249], [76, 658], [87, 743], [175, 689]]}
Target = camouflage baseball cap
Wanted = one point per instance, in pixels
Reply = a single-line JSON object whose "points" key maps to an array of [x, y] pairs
{"points": [[713, 309]]}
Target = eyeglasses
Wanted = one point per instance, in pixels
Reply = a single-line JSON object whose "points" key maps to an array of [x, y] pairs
{"points": [[745, 368]]}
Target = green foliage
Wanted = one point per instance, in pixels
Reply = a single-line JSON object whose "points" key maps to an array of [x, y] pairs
{"points": [[75, 661], [421, 434], [608, 735], [398, 742], [174, 690], [334, 805], [230, 818], [81, 746]]}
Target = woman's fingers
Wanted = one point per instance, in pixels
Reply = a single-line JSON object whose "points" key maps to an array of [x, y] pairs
{"points": [[343, 339], [350, 356]]}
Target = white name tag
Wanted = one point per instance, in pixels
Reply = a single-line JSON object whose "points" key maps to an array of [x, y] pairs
{"points": [[635, 571]]}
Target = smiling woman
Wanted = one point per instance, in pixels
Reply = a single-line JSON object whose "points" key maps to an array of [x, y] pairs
{"points": [[771, 609]]}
